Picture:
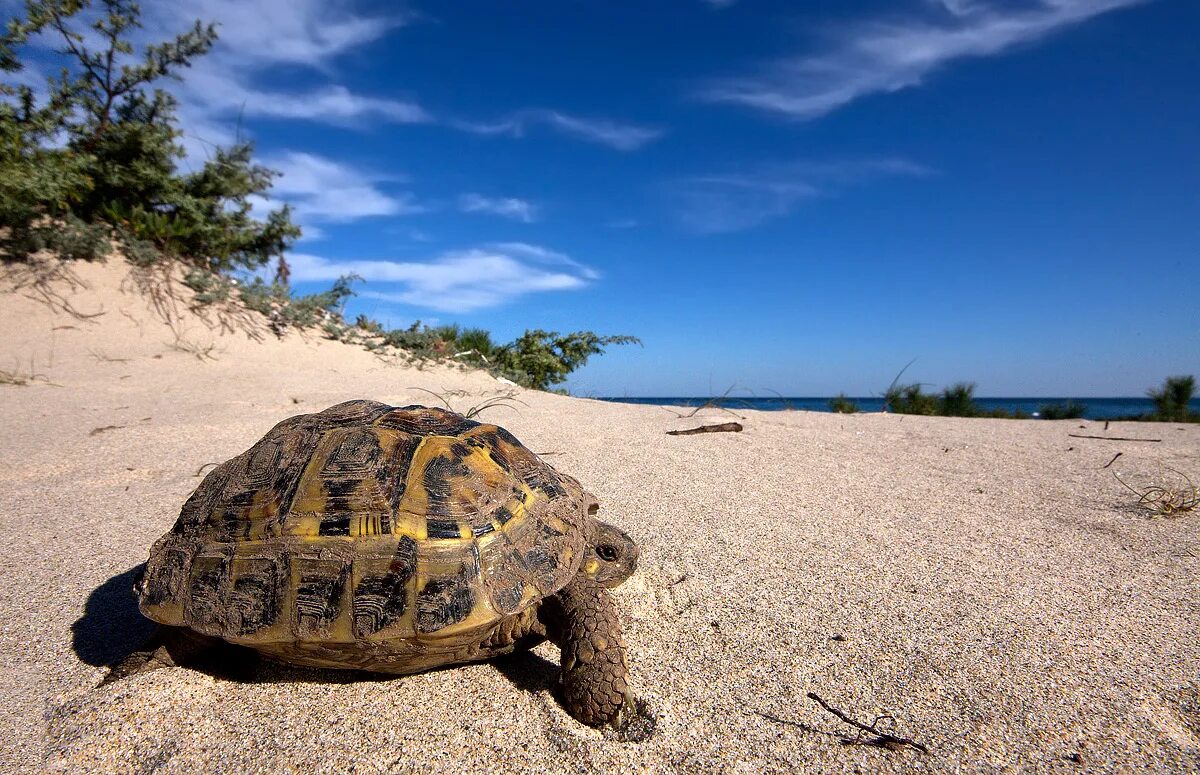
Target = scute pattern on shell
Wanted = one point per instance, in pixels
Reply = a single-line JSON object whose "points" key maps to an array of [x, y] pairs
{"points": [[413, 529]]}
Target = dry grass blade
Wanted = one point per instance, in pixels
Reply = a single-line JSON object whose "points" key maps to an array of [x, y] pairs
{"points": [[504, 401], [24, 376], [496, 402], [1166, 500], [104, 358], [47, 281], [15, 377], [202, 352], [712, 403], [438, 396]]}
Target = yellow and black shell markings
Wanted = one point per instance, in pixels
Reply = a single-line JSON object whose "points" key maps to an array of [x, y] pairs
{"points": [[367, 523]]}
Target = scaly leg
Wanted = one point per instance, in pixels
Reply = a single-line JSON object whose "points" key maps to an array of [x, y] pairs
{"points": [[581, 618]]}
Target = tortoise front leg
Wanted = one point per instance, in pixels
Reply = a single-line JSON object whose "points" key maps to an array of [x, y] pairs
{"points": [[582, 620], [166, 647]]}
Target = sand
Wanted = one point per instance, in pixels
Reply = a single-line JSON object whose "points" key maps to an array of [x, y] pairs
{"points": [[984, 583]]}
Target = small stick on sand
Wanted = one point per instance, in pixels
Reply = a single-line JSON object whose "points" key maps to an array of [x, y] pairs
{"points": [[1109, 463], [725, 427], [1108, 438], [881, 739]]}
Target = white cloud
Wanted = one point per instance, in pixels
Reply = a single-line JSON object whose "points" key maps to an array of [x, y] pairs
{"points": [[507, 207], [301, 32], [257, 37], [320, 189], [713, 204], [881, 56], [603, 131], [456, 281], [545, 256]]}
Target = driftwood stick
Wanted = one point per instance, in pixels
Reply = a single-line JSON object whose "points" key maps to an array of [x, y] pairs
{"points": [[881, 739], [1108, 438], [725, 427]]}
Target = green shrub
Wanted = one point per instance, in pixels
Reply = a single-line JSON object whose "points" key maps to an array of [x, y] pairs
{"points": [[316, 309], [1071, 410], [210, 287], [97, 149], [958, 400], [540, 359], [366, 324], [1172, 400], [842, 405], [909, 399], [418, 339], [67, 235]]}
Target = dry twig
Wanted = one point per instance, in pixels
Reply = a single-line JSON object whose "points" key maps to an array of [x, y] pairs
{"points": [[870, 734], [725, 427], [1108, 438], [104, 358]]}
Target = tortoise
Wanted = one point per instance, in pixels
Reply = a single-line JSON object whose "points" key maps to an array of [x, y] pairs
{"points": [[394, 540]]}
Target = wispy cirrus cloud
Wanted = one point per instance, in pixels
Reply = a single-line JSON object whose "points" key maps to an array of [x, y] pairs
{"points": [[323, 190], [300, 32], [256, 38], [506, 207], [456, 281], [619, 135], [728, 202], [885, 55]]}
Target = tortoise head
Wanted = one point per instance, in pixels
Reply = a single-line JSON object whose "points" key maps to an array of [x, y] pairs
{"points": [[611, 555]]}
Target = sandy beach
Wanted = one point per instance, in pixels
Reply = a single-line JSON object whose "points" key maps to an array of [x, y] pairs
{"points": [[986, 584]]}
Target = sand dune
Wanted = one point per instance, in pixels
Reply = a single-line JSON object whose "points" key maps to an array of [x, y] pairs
{"points": [[980, 581]]}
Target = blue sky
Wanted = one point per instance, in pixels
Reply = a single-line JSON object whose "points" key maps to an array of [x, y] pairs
{"points": [[798, 197]]}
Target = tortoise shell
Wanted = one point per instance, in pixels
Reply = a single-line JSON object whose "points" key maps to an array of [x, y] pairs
{"points": [[367, 522]]}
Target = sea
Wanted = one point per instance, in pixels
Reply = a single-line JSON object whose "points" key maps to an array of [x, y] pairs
{"points": [[1096, 408]]}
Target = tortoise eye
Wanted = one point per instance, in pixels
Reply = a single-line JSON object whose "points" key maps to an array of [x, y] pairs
{"points": [[606, 552]]}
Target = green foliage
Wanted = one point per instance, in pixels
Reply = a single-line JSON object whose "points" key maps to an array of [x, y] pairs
{"points": [[958, 400], [210, 287], [263, 297], [366, 324], [418, 339], [909, 399], [1071, 410], [276, 301], [842, 405], [1172, 400], [101, 147], [317, 308], [475, 345], [68, 237], [539, 359]]}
